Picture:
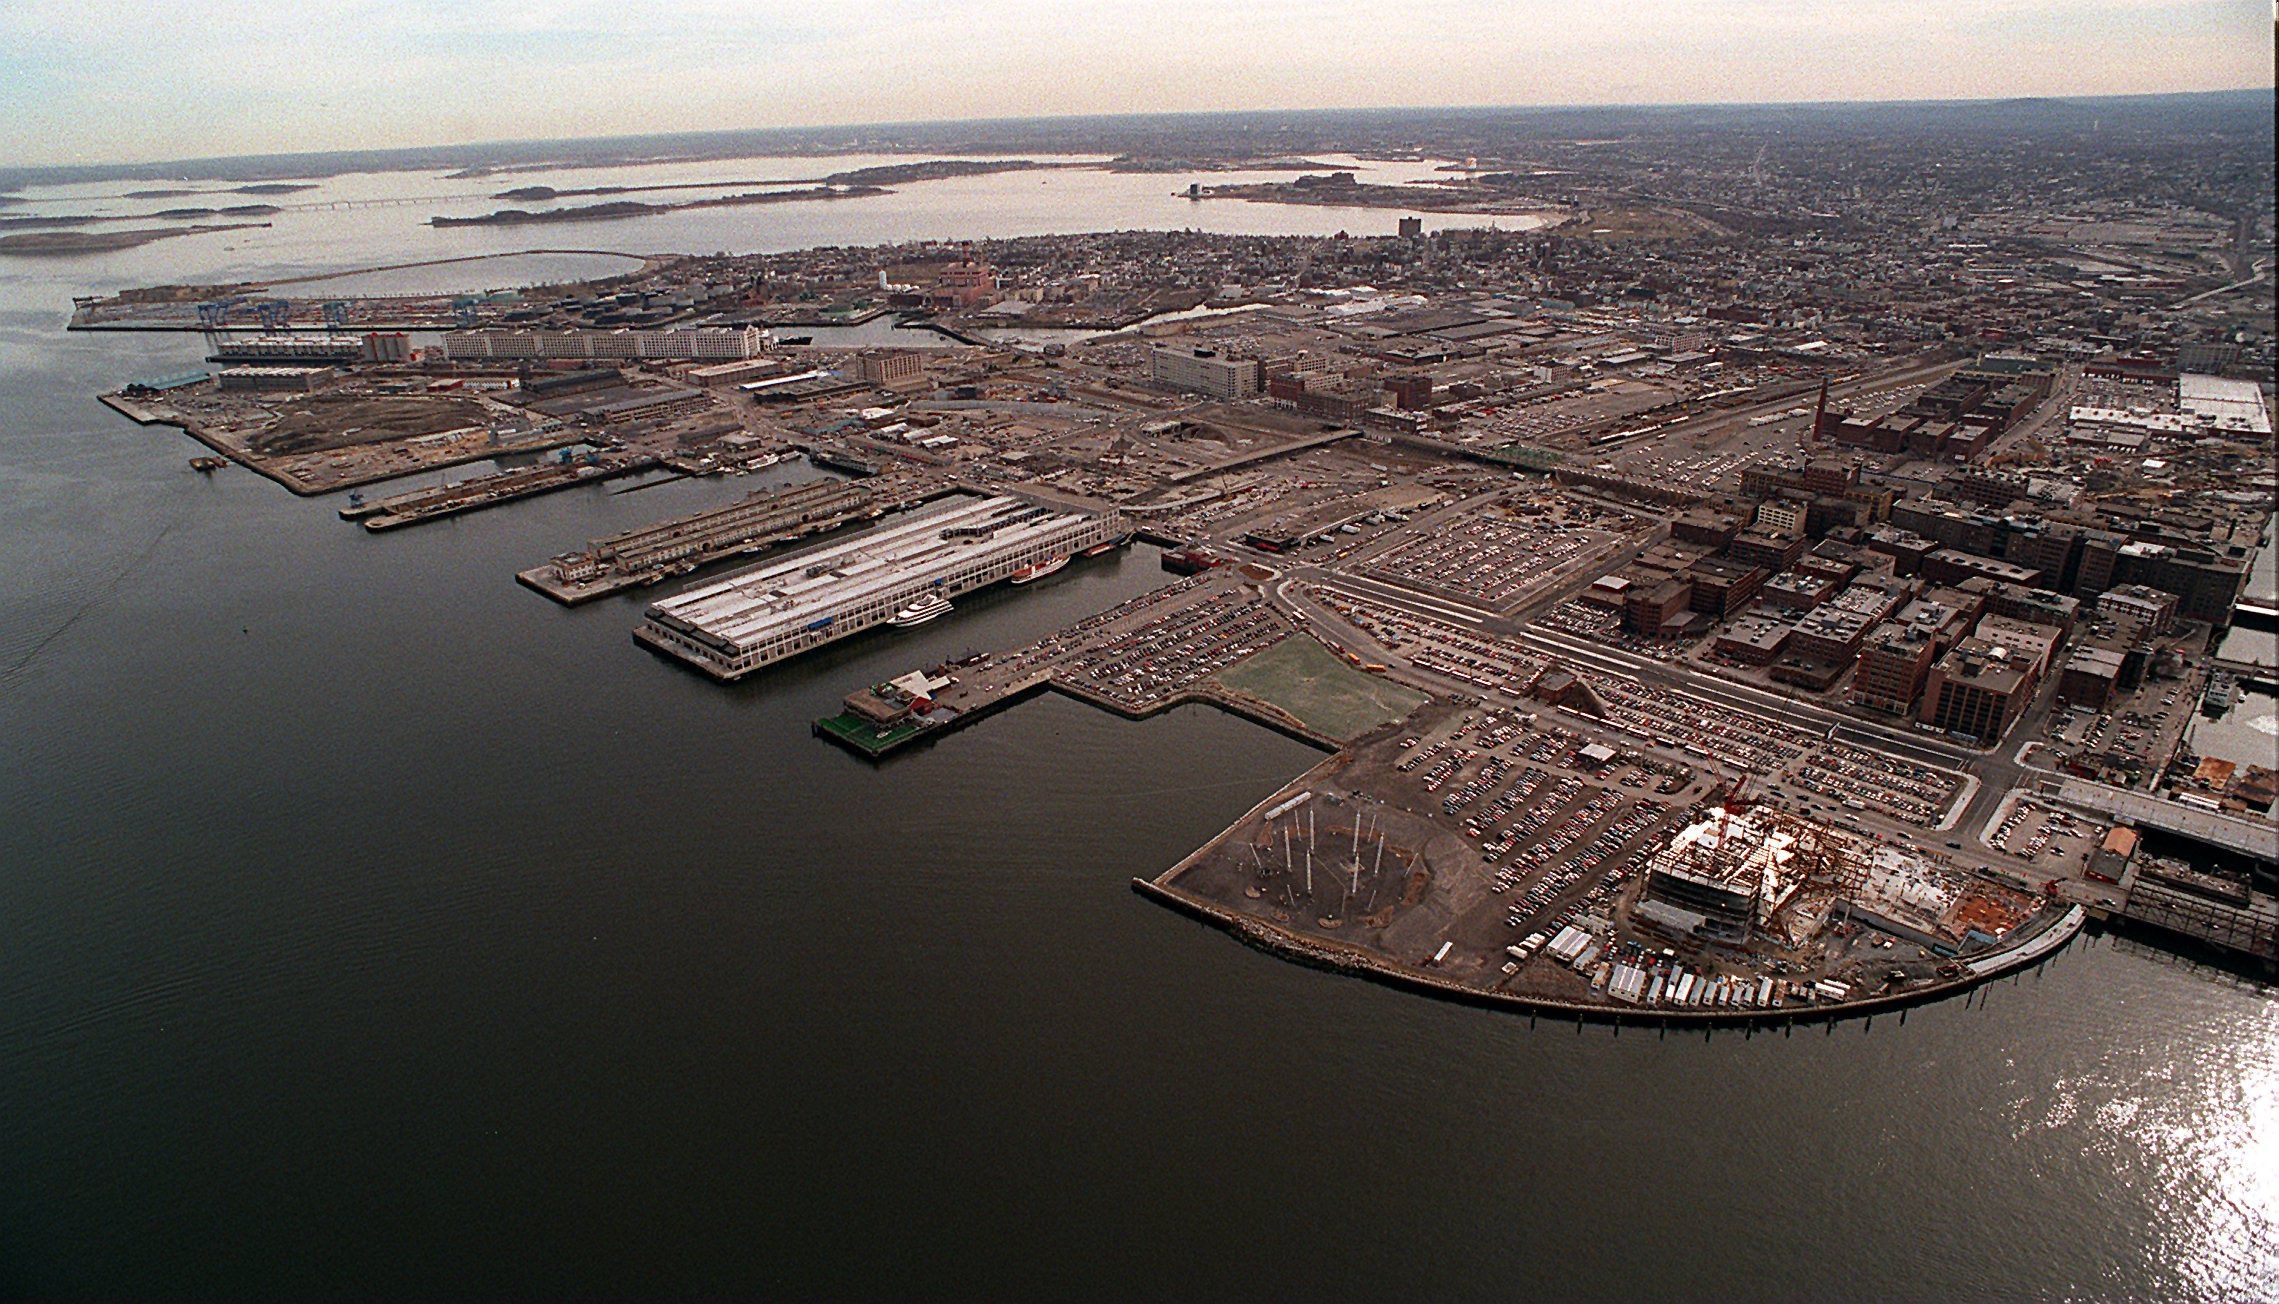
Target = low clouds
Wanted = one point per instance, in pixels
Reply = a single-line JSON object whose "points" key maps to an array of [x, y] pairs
{"points": [[113, 80]]}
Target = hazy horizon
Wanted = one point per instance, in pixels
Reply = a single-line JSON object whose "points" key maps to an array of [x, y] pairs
{"points": [[794, 136], [178, 80]]}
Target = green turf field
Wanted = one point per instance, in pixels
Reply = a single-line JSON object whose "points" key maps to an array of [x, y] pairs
{"points": [[1332, 698]]}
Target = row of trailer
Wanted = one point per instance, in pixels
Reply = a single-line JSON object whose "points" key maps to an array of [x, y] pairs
{"points": [[1670, 985]]}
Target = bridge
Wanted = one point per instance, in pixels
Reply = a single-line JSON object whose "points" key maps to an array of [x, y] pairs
{"points": [[2258, 839]]}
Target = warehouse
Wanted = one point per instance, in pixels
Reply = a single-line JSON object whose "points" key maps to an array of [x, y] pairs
{"points": [[757, 617]]}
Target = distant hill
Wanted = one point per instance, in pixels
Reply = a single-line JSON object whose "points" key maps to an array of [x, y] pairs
{"points": [[1214, 135]]}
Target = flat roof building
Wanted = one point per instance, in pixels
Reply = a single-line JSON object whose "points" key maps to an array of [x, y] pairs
{"points": [[1895, 660], [757, 617], [1977, 690], [1205, 371], [672, 343]]}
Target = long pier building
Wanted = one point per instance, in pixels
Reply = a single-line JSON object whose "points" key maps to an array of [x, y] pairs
{"points": [[757, 617]]}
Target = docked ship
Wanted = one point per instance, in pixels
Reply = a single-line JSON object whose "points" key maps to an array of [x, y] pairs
{"points": [[2223, 691], [1190, 560], [1038, 570], [930, 607], [1107, 545]]}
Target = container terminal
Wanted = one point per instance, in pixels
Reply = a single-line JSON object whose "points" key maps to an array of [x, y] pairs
{"points": [[755, 618]]}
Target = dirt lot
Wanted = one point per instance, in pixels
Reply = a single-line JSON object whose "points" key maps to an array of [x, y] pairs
{"points": [[322, 421]]}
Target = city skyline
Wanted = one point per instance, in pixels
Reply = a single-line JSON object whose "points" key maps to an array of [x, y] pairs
{"points": [[175, 80]]}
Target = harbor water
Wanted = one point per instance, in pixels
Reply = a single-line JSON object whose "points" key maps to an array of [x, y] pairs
{"points": [[369, 923]]}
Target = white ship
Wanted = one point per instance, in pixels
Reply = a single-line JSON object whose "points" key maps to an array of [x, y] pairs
{"points": [[918, 613], [1039, 570]]}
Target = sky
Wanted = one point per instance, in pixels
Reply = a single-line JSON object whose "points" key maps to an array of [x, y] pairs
{"points": [[109, 81]]}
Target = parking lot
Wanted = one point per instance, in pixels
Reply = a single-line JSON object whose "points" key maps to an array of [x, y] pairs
{"points": [[1559, 830], [2130, 736], [1805, 770], [1142, 664], [2045, 835], [1446, 649], [1603, 625], [1496, 559]]}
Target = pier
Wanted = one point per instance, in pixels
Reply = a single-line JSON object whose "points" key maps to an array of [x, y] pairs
{"points": [[2255, 839], [1210, 639], [763, 520], [752, 619], [483, 491]]}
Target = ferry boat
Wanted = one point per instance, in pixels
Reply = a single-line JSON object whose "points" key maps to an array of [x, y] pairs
{"points": [[1038, 570], [927, 608]]}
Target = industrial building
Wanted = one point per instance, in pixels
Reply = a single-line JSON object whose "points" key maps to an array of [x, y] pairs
{"points": [[1895, 660], [1977, 690], [274, 378], [1204, 371], [890, 367], [376, 346], [672, 542], [757, 617], [678, 343]]}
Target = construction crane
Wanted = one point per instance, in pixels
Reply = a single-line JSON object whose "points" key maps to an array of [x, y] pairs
{"points": [[1737, 799], [275, 314]]}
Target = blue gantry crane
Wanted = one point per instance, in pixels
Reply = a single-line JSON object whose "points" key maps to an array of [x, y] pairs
{"points": [[214, 313]]}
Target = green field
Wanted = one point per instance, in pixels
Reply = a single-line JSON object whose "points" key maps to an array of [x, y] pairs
{"points": [[1332, 698]]}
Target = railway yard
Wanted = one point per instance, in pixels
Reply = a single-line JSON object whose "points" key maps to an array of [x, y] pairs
{"points": [[1648, 688]]}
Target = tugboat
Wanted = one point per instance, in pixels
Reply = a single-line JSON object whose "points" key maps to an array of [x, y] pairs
{"points": [[1038, 570], [1098, 548], [1191, 560], [930, 607], [2222, 691]]}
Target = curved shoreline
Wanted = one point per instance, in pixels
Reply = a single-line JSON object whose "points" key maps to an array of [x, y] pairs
{"points": [[1354, 962]]}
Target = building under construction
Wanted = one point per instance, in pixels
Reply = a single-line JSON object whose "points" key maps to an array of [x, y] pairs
{"points": [[1723, 877]]}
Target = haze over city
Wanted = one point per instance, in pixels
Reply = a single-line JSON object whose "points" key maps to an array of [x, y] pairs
{"points": [[111, 81]]}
